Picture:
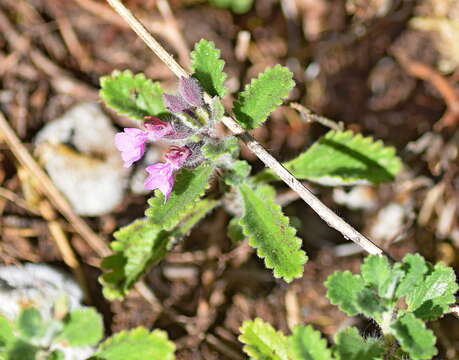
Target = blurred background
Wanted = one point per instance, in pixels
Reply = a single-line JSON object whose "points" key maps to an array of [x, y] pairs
{"points": [[385, 68]]}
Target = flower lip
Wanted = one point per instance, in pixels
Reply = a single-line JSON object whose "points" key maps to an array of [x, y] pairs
{"points": [[156, 128], [131, 143], [160, 177], [178, 155]]}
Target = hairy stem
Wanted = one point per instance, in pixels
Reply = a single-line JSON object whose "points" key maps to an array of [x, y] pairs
{"points": [[320, 208]]}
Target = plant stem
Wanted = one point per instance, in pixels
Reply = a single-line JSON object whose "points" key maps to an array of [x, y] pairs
{"points": [[320, 208]]}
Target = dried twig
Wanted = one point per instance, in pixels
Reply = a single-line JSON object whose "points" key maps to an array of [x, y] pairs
{"points": [[321, 209], [308, 116], [48, 188], [58, 234]]}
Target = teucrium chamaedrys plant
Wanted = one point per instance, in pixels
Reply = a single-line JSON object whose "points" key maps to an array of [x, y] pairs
{"points": [[399, 298], [187, 121], [77, 335]]}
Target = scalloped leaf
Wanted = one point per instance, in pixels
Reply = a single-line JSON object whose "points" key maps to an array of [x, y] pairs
{"points": [[132, 95], [414, 267], [237, 174], [262, 96], [82, 327], [308, 344], [343, 158], [137, 246], [262, 342], [269, 232], [369, 304], [208, 68], [213, 151], [379, 275], [414, 337], [343, 288], [234, 230], [189, 220], [431, 298], [189, 186], [141, 245], [351, 346], [136, 344]]}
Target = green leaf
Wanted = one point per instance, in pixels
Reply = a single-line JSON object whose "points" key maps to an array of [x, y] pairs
{"points": [[414, 338], [369, 304], [377, 273], [343, 289], [307, 344], [190, 219], [262, 342], [343, 158], [132, 95], [431, 298], [262, 96], [137, 246], [208, 68], [30, 324], [235, 232], [142, 244], [82, 327], [414, 267], [269, 232], [351, 346], [136, 344], [213, 151], [237, 173], [189, 186]]}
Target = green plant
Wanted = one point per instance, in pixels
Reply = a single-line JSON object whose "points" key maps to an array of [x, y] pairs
{"points": [[338, 158], [187, 121], [400, 298], [31, 337]]}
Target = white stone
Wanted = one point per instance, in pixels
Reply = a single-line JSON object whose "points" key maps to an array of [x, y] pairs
{"points": [[89, 172]]}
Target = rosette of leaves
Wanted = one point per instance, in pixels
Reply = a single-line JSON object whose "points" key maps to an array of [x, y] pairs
{"points": [[376, 292], [31, 337], [427, 291]]}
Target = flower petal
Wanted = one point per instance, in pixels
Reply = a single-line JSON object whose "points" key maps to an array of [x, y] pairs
{"points": [[157, 129], [131, 143], [160, 177]]}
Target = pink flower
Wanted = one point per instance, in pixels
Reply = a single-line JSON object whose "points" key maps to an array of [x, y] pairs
{"points": [[131, 143], [178, 155], [157, 128], [161, 175]]}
